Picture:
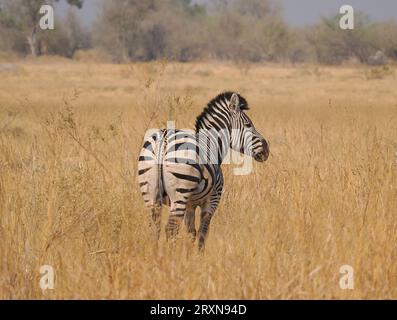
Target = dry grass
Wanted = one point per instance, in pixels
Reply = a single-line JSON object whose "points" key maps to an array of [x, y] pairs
{"points": [[69, 138]]}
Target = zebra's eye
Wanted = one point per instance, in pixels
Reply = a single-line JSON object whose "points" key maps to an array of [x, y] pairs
{"points": [[248, 125]]}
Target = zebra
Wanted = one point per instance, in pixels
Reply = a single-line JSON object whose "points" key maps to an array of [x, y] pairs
{"points": [[182, 169]]}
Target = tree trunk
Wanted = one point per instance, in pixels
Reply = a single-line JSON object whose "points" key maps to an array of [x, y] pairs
{"points": [[32, 40]]}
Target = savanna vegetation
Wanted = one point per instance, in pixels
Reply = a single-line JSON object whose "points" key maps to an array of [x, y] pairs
{"points": [[70, 134], [183, 30]]}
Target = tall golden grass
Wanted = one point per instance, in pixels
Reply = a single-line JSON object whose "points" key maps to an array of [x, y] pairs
{"points": [[70, 134]]}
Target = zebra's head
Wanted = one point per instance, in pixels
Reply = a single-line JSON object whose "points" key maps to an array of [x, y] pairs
{"points": [[226, 115], [244, 137]]}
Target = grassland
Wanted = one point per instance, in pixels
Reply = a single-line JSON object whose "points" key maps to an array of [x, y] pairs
{"points": [[69, 138]]}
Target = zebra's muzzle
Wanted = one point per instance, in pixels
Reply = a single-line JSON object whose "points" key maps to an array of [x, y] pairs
{"points": [[263, 155]]}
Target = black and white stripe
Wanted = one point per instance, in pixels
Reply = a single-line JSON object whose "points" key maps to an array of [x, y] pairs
{"points": [[182, 169]]}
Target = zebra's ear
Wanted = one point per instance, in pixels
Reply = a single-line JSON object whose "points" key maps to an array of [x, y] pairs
{"points": [[235, 102]]}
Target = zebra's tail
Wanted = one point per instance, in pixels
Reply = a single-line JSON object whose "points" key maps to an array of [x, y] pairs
{"points": [[160, 151], [150, 167]]}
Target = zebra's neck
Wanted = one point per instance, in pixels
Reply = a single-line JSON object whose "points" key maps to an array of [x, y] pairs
{"points": [[214, 145], [213, 131]]}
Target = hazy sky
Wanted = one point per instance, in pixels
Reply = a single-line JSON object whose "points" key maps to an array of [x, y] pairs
{"points": [[296, 12], [301, 12]]}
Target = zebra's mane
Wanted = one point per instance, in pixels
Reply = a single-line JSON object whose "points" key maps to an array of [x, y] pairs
{"points": [[223, 97]]}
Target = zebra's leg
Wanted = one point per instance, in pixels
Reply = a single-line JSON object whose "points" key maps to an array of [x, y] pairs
{"points": [[206, 217], [190, 221], [155, 223], [207, 211], [177, 214], [180, 181]]}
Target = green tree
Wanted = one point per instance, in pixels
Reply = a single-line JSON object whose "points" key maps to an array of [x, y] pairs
{"points": [[334, 45], [68, 37], [248, 30], [24, 17], [149, 29]]}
